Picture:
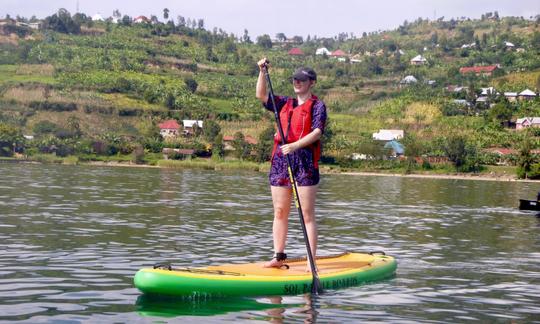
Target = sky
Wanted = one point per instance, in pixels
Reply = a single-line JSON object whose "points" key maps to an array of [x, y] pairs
{"points": [[323, 18]]}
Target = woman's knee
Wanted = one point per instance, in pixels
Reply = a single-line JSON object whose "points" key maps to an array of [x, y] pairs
{"points": [[309, 217], [281, 213]]}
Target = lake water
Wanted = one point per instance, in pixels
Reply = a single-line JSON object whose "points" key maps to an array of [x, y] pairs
{"points": [[72, 237]]}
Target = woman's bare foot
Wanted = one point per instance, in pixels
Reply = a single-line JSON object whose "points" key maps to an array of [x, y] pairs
{"points": [[274, 263]]}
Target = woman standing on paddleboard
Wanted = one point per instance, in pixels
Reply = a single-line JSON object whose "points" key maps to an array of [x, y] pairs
{"points": [[303, 120]]}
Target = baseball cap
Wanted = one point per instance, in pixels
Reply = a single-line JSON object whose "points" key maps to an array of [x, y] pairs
{"points": [[305, 73]]}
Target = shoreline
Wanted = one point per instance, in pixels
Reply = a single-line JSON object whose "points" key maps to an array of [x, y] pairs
{"points": [[324, 170]]}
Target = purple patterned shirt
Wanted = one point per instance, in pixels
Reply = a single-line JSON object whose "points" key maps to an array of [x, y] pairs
{"points": [[303, 165]]}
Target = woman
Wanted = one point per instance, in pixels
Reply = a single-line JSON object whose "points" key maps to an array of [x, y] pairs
{"points": [[303, 119]]}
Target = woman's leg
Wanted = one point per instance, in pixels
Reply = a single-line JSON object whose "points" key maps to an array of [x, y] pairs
{"points": [[307, 196], [281, 198]]}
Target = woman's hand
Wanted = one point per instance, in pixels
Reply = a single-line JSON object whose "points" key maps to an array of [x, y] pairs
{"points": [[263, 63], [289, 148]]}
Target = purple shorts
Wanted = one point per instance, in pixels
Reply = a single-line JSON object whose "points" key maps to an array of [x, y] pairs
{"points": [[303, 168]]}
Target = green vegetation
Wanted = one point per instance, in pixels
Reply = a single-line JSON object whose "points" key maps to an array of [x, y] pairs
{"points": [[96, 91]]}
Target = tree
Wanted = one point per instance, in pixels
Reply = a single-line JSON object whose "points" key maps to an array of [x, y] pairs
{"points": [[62, 23], [200, 24], [211, 130], [181, 21], [10, 136], [218, 149], [246, 39], [241, 147], [525, 159], [191, 84], [116, 14], [281, 37], [455, 150], [165, 13], [263, 149], [126, 20], [264, 41]]}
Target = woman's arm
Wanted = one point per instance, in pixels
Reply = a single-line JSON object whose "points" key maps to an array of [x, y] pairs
{"points": [[307, 140], [261, 91]]}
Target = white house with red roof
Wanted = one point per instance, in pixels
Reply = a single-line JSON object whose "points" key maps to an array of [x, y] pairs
{"points": [[338, 53], [141, 19], [169, 128]]}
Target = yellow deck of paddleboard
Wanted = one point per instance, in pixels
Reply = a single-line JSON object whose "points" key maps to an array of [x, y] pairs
{"points": [[325, 266]]}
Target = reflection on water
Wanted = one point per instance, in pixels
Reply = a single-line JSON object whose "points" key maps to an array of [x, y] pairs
{"points": [[72, 237]]}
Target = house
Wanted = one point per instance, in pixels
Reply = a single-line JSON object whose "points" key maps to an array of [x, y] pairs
{"points": [[322, 51], [526, 95], [97, 17], [418, 60], [461, 102], [409, 79], [295, 51], [397, 148], [509, 46], [511, 96], [7, 21], [488, 91], [479, 70], [190, 124], [142, 19], [357, 58], [388, 134], [338, 53], [526, 122], [169, 128]]}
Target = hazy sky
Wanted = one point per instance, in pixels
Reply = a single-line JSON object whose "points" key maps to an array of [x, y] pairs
{"points": [[293, 17]]}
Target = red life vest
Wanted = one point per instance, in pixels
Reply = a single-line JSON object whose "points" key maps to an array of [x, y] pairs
{"points": [[296, 124]]}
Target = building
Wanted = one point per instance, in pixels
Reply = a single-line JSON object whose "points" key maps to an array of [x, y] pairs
{"points": [[169, 128], [142, 19], [97, 17], [526, 122], [190, 124], [479, 70], [409, 79], [418, 60], [295, 51], [322, 51], [338, 53], [388, 134], [511, 96], [527, 95]]}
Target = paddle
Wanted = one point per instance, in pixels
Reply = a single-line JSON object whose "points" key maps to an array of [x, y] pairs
{"points": [[315, 286]]}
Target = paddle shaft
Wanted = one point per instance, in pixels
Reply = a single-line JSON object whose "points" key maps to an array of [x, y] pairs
{"points": [[315, 287]]}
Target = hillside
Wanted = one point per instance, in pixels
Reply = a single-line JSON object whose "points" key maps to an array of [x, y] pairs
{"points": [[101, 88]]}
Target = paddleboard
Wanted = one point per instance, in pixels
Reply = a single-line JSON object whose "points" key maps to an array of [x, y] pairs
{"points": [[252, 279]]}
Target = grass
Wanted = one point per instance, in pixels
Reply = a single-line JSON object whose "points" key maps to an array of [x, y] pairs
{"points": [[26, 73], [208, 164]]}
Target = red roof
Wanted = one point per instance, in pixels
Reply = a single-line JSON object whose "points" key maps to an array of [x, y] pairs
{"points": [[169, 124], [251, 140], [478, 69], [296, 51], [338, 53]]}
